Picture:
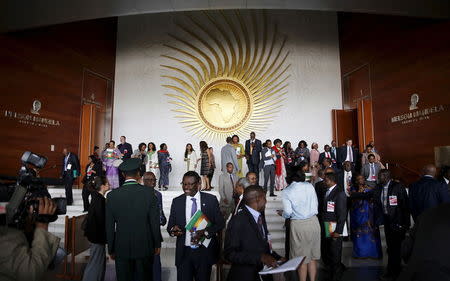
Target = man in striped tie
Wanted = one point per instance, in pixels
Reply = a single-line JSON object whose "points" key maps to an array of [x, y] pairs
{"points": [[193, 258]]}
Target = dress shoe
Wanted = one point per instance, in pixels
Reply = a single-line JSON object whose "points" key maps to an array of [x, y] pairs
{"points": [[272, 195]]}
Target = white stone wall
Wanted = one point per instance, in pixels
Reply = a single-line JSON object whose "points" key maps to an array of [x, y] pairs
{"points": [[142, 112]]}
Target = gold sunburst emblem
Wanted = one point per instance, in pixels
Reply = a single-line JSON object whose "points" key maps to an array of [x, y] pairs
{"points": [[229, 80]]}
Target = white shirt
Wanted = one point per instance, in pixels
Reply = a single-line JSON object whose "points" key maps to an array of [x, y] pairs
{"points": [[371, 172], [329, 191], [187, 241], [347, 177], [349, 154], [446, 180], [237, 206], [270, 161], [384, 195]]}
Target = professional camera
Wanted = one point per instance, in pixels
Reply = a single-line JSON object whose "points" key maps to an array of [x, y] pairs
{"points": [[27, 191]]}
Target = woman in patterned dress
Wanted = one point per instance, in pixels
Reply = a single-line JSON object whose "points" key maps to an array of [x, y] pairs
{"points": [[240, 153], [205, 166], [109, 156]]}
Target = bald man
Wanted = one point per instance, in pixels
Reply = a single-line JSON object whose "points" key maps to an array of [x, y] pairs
{"points": [[246, 241], [427, 192]]}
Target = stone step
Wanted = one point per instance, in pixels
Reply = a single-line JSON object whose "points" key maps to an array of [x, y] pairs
{"points": [[275, 223]]}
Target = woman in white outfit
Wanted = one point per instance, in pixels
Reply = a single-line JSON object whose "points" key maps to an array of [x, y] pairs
{"points": [[152, 159], [190, 157]]}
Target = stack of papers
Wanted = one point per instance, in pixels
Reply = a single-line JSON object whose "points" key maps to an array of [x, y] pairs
{"points": [[290, 265]]}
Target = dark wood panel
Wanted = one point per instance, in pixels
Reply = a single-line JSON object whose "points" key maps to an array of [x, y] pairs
{"points": [[47, 64], [406, 56], [357, 86], [345, 126]]}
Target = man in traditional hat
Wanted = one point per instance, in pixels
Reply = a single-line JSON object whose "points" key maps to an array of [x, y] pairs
{"points": [[132, 225]]}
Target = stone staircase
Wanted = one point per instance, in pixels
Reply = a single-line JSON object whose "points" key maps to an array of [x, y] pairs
{"points": [[274, 222]]}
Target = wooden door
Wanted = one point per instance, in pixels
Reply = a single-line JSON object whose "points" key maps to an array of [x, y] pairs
{"points": [[345, 126], [96, 114], [365, 122], [87, 133]]}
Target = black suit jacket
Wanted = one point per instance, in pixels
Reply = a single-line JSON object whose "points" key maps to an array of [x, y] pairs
{"points": [[321, 189], [126, 149], [398, 215], [339, 214], [98, 172], [430, 255], [446, 184], [244, 245], [340, 178], [426, 193], [95, 225], [209, 207], [322, 157], [74, 162], [254, 157], [342, 155]]}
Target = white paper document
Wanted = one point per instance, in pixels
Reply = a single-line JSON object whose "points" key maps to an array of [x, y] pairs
{"points": [[290, 265]]}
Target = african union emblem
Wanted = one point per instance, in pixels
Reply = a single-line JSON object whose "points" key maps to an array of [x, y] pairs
{"points": [[228, 73]]}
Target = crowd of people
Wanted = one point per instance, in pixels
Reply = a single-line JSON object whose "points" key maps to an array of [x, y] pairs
{"points": [[327, 196]]}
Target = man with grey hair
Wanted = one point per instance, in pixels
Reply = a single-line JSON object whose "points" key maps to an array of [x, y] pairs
{"points": [[228, 155], [239, 189]]}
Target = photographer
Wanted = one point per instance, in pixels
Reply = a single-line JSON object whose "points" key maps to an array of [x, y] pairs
{"points": [[28, 259]]}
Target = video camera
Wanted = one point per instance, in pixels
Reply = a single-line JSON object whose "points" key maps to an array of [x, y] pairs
{"points": [[27, 191]]}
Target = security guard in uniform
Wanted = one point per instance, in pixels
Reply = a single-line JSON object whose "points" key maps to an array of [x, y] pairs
{"points": [[132, 226]]}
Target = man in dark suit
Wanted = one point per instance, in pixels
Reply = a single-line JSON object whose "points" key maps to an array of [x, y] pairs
{"points": [[327, 154], [193, 260], [348, 153], [445, 177], [333, 209], [253, 149], [345, 176], [133, 226], [391, 209], [430, 255], [427, 192], [149, 180], [370, 171], [247, 244], [69, 172], [126, 150]]}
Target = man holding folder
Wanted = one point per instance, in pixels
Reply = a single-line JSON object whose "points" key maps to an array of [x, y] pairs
{"points": [[193, 259], [332, 216]]}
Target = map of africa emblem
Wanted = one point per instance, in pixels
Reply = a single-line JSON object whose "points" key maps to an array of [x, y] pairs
{"points": [[227, 74]]}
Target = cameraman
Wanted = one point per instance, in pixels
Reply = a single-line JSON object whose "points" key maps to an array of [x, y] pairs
{"points": [[21, 259]]}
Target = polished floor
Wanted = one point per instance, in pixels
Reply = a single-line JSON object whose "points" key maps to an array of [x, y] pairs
{"points": [[357, 269]]}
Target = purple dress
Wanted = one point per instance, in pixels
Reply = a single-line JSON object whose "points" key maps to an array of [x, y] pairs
{"points": [[112, 173]]}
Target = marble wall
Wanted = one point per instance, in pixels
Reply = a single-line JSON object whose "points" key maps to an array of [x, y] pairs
{"points": [[141, 108]]}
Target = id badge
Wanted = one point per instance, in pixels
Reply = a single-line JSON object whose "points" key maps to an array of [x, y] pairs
{"points": [[393, 200], [330, 206], [69, 166]]}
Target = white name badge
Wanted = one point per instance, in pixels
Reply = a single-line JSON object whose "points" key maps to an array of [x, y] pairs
{"points": [[330, 206], [69, 166], [393, 200]]}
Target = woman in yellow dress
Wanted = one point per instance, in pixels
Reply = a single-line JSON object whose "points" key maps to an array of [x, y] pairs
{"points": [[240, 154]]}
